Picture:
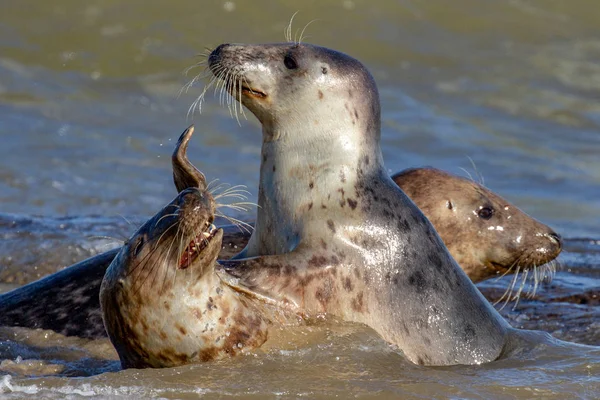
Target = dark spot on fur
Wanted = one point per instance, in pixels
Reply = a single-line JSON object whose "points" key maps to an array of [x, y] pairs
{"points": [[264, 157], [310, 205], [274, 168], [323, 206], [436, 260], [469, 332], [350, 93], [357, 303], [352, 203], [420, 361], [317, 261], [320, 95], [403, 225], [417, 279], [311, 185], [331, 225], [342, 176], [348, 284], [181, 329], [288, 270], [356, 114]]}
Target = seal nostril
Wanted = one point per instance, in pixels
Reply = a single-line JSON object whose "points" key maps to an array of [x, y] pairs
{"points": [[555, 237]]}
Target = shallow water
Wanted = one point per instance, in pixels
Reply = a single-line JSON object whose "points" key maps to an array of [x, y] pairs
{"points": [[89, 115]]}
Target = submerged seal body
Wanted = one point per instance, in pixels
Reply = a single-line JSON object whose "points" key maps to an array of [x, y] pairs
{"points": [[334, 234], [162, 302]]}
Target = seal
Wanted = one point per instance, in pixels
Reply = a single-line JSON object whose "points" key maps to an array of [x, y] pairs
{"points": [[334, 234], [71, 304], [162, 302], [485, 233], [451, 203]]}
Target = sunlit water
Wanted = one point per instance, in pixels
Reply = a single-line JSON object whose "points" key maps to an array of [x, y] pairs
{"points": [[89, 114]]}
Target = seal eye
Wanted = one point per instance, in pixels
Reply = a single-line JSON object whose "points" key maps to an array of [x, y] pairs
{"points": [[485, 213], [289, 62], [138, 246]]}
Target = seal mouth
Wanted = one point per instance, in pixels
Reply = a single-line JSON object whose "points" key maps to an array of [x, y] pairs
{"points": [[248, 91], [197, 245]]}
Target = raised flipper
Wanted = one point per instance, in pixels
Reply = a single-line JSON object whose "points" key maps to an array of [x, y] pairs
{"points": [[185, 175]]}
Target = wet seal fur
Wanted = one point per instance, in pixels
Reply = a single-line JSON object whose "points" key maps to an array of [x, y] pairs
{"points": [[485, 234], [334, 234], [162, 302]]}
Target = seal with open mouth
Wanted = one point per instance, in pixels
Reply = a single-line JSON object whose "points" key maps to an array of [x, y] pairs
{"points": [[162, 302], [334, 234]]}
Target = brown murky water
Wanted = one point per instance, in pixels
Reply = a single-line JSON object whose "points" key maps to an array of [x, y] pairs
{"points": [[89, 113]]}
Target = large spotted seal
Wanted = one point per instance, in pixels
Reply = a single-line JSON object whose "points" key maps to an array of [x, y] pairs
{"points": [[162, 303], [334, 234]]}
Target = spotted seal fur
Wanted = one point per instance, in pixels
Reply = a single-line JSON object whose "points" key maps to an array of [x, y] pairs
{"points": [[334, 234], [162, 303]]}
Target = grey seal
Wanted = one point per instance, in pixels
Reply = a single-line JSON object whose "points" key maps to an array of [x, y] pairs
{"points": [[162, 302], [485, 233], [334, 234]]}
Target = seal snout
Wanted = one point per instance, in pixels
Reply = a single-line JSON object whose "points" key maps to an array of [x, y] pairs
{"points": [[214, 59]]}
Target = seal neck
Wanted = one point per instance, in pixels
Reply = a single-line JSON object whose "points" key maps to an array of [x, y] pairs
{"points": [[304, 177]]}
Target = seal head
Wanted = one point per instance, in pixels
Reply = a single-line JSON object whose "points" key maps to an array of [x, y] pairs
{"points": [[162, 303], [484, 232]]}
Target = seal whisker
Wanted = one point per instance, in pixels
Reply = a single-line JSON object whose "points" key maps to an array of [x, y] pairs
{"points": [[287, 32], [143, 260], [220, 186], [166, 216], [468, 173], [508, 292], [518, 295], [302, 33], [238, 194], [507, 270], [167, 270], [198, 102], [208, 186], [132, 270], [477, 173], [242, 226], [151, 254], [237, 189], [238, 206]]}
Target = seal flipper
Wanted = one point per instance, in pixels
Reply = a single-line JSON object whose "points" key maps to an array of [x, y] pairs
{"points": [[185, 174], [274, 279]]}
